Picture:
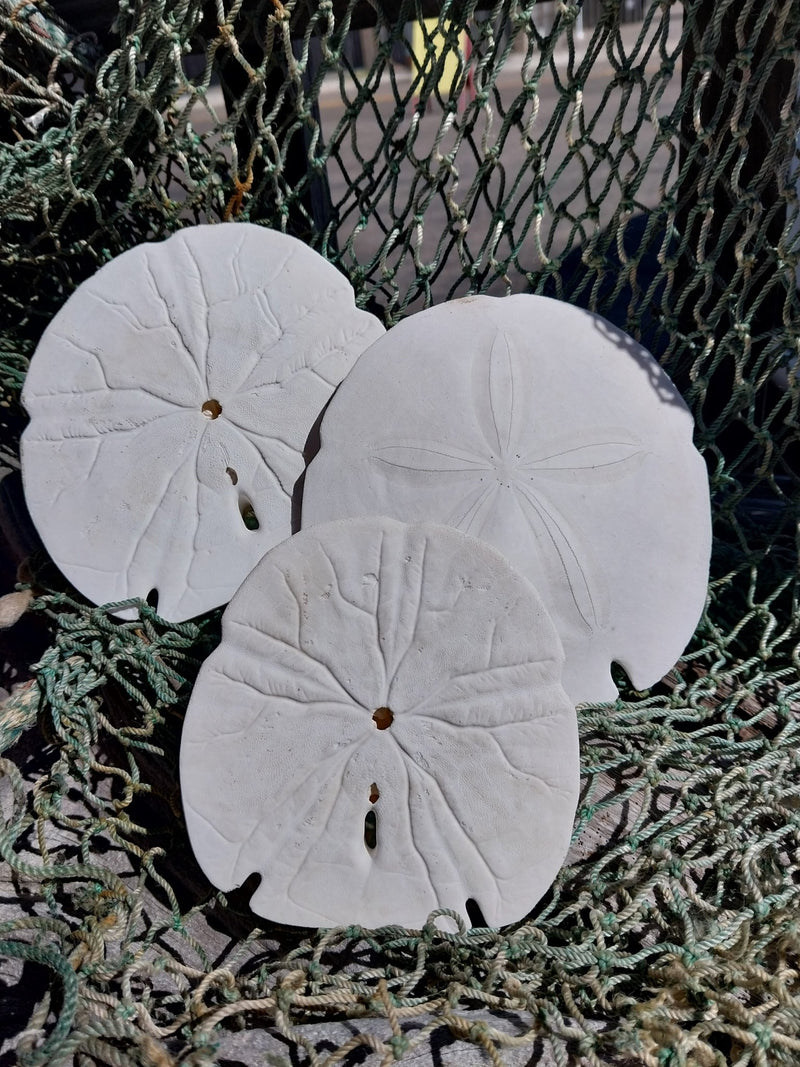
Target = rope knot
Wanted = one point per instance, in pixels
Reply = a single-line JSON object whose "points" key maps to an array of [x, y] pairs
{"points": [[399, 1045], [288, 989], [605, 961], [762, 1035]]}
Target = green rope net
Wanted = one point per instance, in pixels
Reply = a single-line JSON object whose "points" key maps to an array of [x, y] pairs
{"points": [[644, 170]]}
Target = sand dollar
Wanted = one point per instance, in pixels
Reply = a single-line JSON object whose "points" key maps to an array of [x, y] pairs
{"points": [[382, 732], [554, 436], [170, 401]]}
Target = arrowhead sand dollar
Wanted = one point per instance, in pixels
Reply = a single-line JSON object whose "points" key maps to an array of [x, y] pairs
{"points": [[549, 433], [382, 732], [170, 401]]}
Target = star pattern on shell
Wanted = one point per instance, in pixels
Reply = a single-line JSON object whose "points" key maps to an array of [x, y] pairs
{"points": [[556, 438], [499, 466]]}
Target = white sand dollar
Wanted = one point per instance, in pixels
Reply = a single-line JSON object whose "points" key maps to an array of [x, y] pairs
{"points": [[367, 666], [546, 431], [170, 401]]}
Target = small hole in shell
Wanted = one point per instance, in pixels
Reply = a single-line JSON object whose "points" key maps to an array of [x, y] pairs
{"points": [[374, 793], [152, 599], [212, 409], [371, 830], [383, 718], [234, 477], [249, 517]]}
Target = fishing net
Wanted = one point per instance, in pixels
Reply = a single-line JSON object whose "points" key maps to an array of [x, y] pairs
{"points": [[642, 169]]}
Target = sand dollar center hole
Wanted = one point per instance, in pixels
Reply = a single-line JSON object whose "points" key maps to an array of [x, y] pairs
{"points": [[212, 409], [383, 718]]}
